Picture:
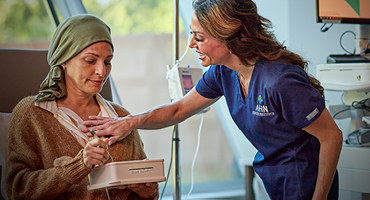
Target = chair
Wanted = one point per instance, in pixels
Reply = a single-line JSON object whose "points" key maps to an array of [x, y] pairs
{"points": [[22, 72]]}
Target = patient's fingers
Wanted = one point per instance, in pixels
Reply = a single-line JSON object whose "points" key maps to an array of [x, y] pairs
{"points": [[95, 153]]}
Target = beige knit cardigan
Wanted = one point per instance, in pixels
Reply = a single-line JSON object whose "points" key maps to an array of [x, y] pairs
{"points": [[44, 160]]}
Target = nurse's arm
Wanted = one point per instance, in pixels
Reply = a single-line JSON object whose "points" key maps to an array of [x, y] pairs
{"points": [[156, 118], [330, 137], [173, 113]]}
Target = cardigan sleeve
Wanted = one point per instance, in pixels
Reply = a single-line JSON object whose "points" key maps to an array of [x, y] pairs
{"points": [[27, 176], [44, 161]]}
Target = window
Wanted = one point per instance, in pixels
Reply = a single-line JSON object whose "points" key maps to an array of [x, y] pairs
{"points": [[25, 24]]}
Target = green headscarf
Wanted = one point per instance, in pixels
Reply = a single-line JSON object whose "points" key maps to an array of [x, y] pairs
{"points": [[72, 36]]}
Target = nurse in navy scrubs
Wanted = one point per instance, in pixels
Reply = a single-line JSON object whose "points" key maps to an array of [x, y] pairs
{"points": [[270, 96]]}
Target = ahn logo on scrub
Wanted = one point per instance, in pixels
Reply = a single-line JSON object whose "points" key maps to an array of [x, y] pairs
{"points": [[260, 100], [262, 110]]}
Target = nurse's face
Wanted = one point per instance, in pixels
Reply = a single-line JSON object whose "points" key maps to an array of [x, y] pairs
{"points": [[211, 51], [87, 72]]}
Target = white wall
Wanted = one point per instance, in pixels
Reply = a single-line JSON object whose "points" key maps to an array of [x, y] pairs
{"points": [[295, 23]]}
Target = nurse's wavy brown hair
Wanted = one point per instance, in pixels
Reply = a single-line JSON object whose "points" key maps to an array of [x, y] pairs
{"points": [[238, 24]]}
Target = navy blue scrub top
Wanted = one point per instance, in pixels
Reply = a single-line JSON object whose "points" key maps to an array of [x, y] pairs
{"points": [[280, 102]]}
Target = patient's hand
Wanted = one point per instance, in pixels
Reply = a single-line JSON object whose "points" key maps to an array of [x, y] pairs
{"points": [[145, 190], [95, 153], [113, 128]]}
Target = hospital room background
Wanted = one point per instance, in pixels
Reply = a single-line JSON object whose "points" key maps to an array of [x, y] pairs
{"points": [[143, 40]]}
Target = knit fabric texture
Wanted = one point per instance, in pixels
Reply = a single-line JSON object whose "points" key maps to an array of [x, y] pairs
{"points": [[44, 160]]}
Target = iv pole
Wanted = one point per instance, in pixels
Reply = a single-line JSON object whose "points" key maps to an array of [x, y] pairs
{"points": [[176, 140]]}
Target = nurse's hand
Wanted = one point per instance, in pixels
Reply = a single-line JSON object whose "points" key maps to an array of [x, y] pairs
{"points": [[145, 190], [113, 128], [95, 153]]}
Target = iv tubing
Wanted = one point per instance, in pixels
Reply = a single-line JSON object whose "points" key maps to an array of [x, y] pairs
{"points": [[195, 156]]}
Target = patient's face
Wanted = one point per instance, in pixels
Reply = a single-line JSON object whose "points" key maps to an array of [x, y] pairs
{"points": [[87, 72]]}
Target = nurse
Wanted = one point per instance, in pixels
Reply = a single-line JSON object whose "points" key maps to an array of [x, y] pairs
{"points": [[270, 96]]}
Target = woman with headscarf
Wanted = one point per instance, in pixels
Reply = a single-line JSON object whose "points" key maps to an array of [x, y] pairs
{"points": [[48, 157]]}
